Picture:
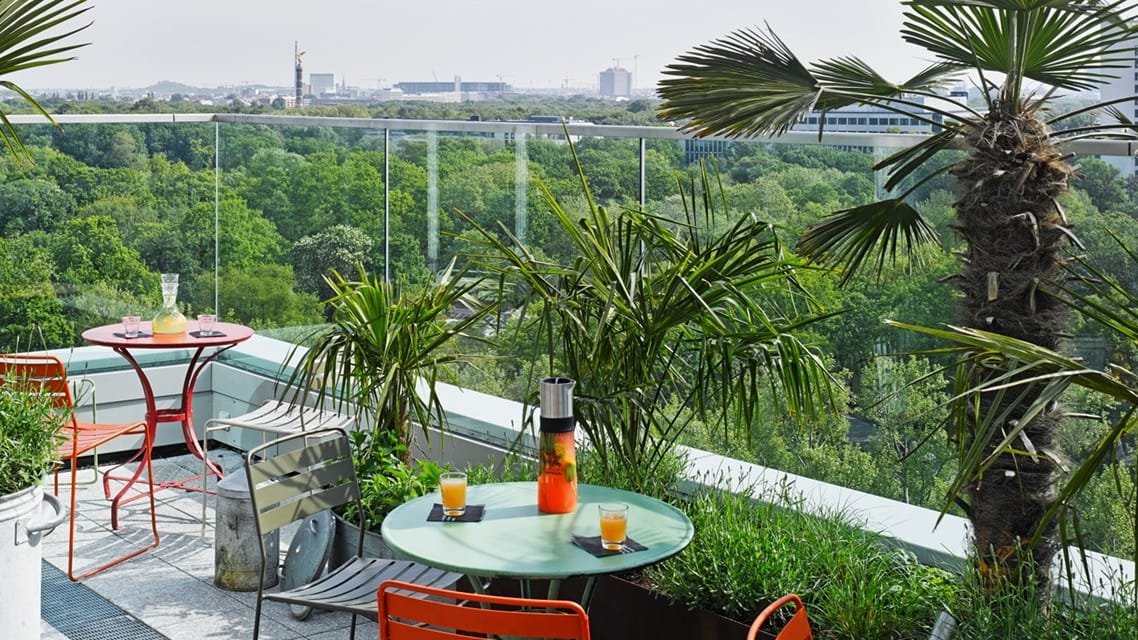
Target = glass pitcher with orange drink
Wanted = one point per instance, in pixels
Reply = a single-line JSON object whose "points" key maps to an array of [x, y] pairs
{"points": [[557, 477]]}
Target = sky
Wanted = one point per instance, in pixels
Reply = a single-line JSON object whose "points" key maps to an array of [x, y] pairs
{"points": [[527, 43]]}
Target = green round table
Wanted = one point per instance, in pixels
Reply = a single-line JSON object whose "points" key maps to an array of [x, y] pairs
{"points": [[515, 540]]}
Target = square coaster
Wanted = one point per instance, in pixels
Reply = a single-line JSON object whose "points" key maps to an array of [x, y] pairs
{"points": [[473, 513], [211, 334], [140, 334], [592, 544]]}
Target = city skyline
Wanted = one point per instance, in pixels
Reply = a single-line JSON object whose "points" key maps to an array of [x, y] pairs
{"points": [[137, 43]]}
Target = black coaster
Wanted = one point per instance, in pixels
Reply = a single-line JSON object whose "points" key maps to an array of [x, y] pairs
{"points": [[592, 544], [211, 334], [473, 514], [140, 334]]}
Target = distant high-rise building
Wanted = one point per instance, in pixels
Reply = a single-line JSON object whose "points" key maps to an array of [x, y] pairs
{"points": [[616, 82], [322, 83]]}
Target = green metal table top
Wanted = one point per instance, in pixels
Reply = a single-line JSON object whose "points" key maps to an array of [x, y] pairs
{"points": [[514, 539]]}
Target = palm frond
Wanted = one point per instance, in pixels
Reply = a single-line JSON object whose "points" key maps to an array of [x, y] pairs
{"points": [[28, 39], [849, 80], [909, 159], [1068, 44], [852, 236], [1031, 371], [748, 83]]}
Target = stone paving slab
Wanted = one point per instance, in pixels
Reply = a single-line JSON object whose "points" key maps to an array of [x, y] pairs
{"points": [[170, 588]]}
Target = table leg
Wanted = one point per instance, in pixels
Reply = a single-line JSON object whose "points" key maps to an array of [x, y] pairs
{"points": [[587, 593], [145, 453], [182, 414], [554, 588], [187, 410]]}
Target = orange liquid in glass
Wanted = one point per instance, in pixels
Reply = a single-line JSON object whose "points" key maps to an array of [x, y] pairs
{"points": [[557, 481], [454, 496], [614, 528]]}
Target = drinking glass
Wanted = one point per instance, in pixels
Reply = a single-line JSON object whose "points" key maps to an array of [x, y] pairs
{"points": [[453, 487], [205, 323], [614, 525], [130, 326]]}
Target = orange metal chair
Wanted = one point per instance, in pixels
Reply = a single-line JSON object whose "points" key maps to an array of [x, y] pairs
{"points": [[412, 612], [48, 374], [797, 629]]}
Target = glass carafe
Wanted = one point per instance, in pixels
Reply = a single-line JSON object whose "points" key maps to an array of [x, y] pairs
{"points": [[557, 476], [169, 319]]}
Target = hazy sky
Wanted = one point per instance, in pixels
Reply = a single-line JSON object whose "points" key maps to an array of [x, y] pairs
{"points": [[528, 43]]}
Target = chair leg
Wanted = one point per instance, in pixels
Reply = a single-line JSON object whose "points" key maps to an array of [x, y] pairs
{"points": [[205, 478], [153, 521], [260, 601]]}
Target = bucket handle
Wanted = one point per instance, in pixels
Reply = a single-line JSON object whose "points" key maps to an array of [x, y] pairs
{"points": [[44, 527]]}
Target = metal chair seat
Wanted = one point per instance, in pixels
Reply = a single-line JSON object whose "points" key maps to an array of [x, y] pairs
{"points": [[351, 587], [273, 417]]}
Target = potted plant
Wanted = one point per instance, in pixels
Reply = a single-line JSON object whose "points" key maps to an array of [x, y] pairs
{"points": [[386, 481], [662, 322], [30, 434], [386, 346]]}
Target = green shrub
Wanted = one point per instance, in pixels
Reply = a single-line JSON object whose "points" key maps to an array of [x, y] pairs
{"points": [[386, 481], [29, 436], [986, 614], [747, 552]]}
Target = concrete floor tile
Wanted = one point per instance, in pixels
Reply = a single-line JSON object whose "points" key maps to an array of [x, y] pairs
{"points": [[171, 588]]}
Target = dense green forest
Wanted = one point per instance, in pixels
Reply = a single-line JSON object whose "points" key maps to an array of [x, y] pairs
{"points": [[105, 208]]}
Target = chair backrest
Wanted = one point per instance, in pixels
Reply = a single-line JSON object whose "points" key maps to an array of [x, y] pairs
{"points": [[412, 612], [43, 373], [797, 629], [313, 473]]}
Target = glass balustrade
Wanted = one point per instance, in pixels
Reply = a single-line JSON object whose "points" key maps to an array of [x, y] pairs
{"points": [[253, 211]]}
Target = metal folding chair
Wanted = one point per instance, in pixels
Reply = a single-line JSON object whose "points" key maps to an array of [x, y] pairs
{"points": [[310, 472], [414, 612], [273, 417], [48, 375], [798, 628]]}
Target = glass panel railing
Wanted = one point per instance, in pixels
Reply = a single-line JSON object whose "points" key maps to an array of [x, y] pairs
{"points": [[112, 201], [106, 205]]}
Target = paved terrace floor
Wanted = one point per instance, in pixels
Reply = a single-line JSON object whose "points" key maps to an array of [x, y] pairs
{"points": [[167, 592]]}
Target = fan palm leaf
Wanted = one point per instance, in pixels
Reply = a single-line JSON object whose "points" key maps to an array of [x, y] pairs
{"points": [[30, 37]]}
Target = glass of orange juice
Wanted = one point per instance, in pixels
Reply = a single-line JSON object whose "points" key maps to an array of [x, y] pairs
{"points": [[453, 487], [614, 525]]}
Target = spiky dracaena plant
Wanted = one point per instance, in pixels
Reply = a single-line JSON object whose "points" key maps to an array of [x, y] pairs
{"points": [[31, 35], [385, 350], [1021, 52]]}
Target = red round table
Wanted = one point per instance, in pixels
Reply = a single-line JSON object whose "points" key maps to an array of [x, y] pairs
{"points": [[226, 336]]}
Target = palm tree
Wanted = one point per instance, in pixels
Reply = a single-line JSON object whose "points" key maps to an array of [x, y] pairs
{"points": [[29, 38], [1021, 53]]}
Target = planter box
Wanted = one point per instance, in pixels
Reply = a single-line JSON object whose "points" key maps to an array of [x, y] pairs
{"points": [[346, 537], [624, 610]]}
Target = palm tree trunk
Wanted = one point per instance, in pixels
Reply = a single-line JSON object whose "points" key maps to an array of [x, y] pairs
{"points": [[1015, 236]]}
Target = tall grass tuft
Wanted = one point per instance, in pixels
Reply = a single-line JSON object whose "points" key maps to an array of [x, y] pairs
{"points": [[749, 550]]}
